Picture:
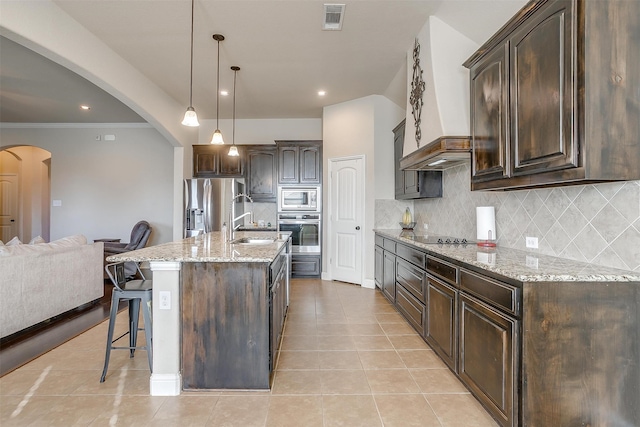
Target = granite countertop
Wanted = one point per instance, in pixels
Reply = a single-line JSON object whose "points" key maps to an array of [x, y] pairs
{"points": [[519, 265], [209, 247]]}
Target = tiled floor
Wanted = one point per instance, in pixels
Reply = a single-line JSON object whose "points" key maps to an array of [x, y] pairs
{"points": [[347, 359]]}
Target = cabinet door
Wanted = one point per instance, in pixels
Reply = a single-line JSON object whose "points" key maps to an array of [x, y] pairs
{"points": [[411, 181], [379, 265], [231, 166], [489, 115], [205, 161], [542, 92], [398, 147], [262, 174], [442, 331], [389, 276], [488, 357], [288, 170], [310, 165]]}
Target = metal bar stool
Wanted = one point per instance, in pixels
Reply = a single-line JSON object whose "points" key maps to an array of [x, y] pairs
{"points": [[136, 292]]}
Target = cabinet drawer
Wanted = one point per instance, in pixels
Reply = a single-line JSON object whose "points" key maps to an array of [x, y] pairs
{"points": [[379, 241], [389, 245], [412, 255], [305, 266], [442, 269], [412, 309], [500, 295], [412, 278]]}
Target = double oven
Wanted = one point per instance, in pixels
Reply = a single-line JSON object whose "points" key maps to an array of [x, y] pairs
{"points": [[299, 212]]}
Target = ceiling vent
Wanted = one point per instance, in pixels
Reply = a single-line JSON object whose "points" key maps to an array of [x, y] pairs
{"points": [[333, 15]]}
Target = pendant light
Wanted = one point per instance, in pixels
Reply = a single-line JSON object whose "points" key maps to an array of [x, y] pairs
{"points": [[190, 116], [233, 150], [217, 135]]}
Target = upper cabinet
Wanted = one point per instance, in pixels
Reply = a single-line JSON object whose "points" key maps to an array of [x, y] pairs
{"points": [[262, 172], [299, 162], [554, 96], [413, 184], [212, 161]]}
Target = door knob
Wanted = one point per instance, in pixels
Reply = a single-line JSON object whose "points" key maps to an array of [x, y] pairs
{"points": [[357, 227]]}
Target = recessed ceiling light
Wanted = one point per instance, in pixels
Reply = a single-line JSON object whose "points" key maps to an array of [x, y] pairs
{"points": [[224, 92], [85, 107], [321, 93]]}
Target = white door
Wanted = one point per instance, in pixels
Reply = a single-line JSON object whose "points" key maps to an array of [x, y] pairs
{"points": [[346, 218], [8, 207]]}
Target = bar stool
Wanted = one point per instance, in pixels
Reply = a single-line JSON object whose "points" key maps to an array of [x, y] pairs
{"points": [[135, 292]]}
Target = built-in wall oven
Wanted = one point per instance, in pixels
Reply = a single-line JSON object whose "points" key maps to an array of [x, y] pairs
{"points": [[305, 228]]}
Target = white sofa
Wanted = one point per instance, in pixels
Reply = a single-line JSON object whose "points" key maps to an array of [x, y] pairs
{"points": [[40, 281]]}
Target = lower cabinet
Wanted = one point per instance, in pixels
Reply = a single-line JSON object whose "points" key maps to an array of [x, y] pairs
{"points": [[488, 357], [389, 276], [277, 309], [303, 265], [412, 309], [442, 321]]}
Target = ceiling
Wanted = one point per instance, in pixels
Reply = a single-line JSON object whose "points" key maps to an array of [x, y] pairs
{"points": [[284, 55]]}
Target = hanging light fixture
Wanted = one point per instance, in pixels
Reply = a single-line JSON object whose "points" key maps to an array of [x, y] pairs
{"points": [[233, 150], [190, 116], [217, 135]]}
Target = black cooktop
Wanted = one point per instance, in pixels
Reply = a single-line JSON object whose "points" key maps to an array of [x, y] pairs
{"points": [[441, 240]]}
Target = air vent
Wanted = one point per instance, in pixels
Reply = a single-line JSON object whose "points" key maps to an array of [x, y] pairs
{"points": [[333, 15]]}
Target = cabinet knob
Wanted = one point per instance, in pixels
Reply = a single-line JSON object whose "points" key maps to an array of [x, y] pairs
{"points": [[357, 227]]}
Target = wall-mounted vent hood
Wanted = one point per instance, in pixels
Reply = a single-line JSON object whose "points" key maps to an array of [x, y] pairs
{"points": [[440, 154]]}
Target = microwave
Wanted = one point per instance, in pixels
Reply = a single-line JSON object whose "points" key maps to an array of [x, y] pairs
{"points": [[299, 199]]}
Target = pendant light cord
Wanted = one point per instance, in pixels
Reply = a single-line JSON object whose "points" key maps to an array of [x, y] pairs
{"points": [[191, 77], [233, 129], [218, 91]]}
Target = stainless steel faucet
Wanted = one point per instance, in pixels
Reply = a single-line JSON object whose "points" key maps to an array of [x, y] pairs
{"points": [[232, 221]]}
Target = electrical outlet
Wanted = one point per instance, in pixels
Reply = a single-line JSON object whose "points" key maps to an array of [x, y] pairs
{"points": [[165, 300], [531, 242], [425, 226], [531, 261]]}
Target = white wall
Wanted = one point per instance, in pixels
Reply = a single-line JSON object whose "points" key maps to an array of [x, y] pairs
{"points": [[105, 186], [361, 127]]}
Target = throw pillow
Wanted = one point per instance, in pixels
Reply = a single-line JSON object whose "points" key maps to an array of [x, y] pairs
{"points": [[36, 240], [1, 243], [14, 241]]}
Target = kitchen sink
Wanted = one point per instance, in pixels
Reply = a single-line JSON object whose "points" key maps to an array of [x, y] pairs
{"points": [[253, 241]]}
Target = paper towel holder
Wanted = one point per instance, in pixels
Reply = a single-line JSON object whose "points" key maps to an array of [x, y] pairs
{"points": [[486, 226]]}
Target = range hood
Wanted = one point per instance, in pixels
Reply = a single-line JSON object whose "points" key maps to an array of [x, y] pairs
{"points": [[441, 153]]}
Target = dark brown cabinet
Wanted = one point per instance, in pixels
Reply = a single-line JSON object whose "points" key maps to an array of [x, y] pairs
{"points": [[554, 96], [299, 162], [389, 276], [442, 321], [212, 161], [306, 265], [412, 184], [277, 307], [262, 173]]}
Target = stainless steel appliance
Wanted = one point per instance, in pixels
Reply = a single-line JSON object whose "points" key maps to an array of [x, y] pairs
{"points": [[206, 203], [300, 199], [306, 230]]}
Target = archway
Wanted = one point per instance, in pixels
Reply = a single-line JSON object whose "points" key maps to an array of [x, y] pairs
{"points": [[25, 193]]}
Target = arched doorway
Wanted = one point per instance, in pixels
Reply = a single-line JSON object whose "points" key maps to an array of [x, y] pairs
{"points": [[25, 193]]}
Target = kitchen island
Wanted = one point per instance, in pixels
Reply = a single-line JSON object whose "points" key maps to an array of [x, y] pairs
{"points": [[538, 340], [218, 310]]}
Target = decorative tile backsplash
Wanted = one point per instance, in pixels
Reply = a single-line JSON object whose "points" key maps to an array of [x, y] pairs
{"points": [[597, 223]]}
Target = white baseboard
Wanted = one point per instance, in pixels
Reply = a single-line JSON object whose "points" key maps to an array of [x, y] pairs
{"points": [[369, 284], [325, 275], [165, 384]]}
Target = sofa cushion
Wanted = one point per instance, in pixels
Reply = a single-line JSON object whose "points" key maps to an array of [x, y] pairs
{"points": [[36, 240], [56, 245], [13, 242]]}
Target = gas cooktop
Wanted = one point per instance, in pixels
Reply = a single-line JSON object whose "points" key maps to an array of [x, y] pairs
{"points": [[441, 240]]}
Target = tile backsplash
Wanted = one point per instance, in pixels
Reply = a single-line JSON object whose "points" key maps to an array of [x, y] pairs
{"points": [[597, 223]]}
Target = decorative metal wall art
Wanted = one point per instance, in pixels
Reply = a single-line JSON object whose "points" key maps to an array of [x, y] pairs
{"points": [[417, 90]]}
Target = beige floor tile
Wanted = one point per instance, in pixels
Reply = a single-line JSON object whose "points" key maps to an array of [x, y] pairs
{"points": [[380, 359], [391, 381], [405, 410], [185, 410], [16, 411], [295, 411], [293, 328], [333, 329], [289, 360], [44, 382], [345, 382], [128, 411], [299, 342], [350, 411], [390, 318], [364, 329], [408, 342], [459, 410], [331, 318], [348, 359], [397, 329], [297, 382], [335, 342], [361, 318], [240, 411], [125, 381], [372, 342], [437, 381], [421, 359]]}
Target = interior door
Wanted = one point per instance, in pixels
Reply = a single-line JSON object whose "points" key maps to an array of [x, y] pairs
{"points": [[346, 218], [8, 207]]}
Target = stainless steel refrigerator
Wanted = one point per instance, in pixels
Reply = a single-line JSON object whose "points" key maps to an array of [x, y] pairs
{"points": [[207, 203]]}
